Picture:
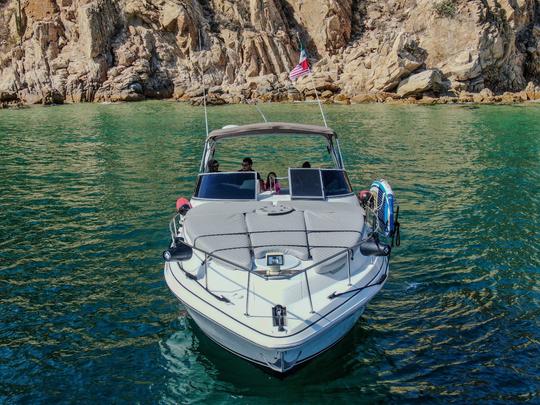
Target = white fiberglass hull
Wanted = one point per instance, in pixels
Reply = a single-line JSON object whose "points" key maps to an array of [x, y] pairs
{"points": [[280, 352], [280, 360]]}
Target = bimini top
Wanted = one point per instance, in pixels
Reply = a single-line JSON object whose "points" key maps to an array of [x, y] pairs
{"points": [[272, 128]]}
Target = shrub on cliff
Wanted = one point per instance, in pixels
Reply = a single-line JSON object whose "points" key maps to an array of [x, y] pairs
{"points": [[445, 8]]}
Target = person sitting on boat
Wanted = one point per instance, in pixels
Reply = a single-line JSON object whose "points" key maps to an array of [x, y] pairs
{"points": [[247, 166], [306, 165], [272, 183], [213, 166]]}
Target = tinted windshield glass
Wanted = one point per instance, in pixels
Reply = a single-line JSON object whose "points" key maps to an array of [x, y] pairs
{"points": [[335, 182], [306, 183], [227, 186]]}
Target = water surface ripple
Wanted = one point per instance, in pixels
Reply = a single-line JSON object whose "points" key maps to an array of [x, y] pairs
{"points": [[86, 195]]}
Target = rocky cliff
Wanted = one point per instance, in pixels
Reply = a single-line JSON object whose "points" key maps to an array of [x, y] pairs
{"points": [[54, 51]]}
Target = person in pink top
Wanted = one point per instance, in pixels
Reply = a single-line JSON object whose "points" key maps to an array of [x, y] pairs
{"points": [[272, 183]]}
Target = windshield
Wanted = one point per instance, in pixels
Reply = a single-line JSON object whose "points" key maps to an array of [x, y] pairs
{"points": [[306, 184], [335, 182], [300, 184], [227, 186], [318, 183]]}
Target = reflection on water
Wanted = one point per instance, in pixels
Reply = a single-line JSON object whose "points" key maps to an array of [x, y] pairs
{"points": [[87, 191]]}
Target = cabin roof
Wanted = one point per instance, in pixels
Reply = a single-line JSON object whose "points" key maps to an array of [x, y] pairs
{"points": [[271, 128]]}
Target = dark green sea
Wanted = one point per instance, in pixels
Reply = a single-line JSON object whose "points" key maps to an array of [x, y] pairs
{"points": [[86, 193]]}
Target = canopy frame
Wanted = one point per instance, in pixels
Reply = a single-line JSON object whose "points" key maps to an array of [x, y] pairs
{"points": [[272, 128]]}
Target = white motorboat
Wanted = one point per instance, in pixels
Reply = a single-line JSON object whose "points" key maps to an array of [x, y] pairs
{"points": [[278, 276]]}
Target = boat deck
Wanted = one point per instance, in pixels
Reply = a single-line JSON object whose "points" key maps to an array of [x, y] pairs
{"points": [[228, 294]]}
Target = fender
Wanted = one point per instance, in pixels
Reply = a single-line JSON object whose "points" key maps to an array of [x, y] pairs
{"points": [[384, 205]]}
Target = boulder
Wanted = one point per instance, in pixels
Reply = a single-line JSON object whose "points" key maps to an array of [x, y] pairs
{"points": [[364, 98], [326, 94], [294, 95], [321, 82], [447, 100], [403, 58], [428, 80], [465, 97], [341, 99], [213, 100], [509, 98], [427, 101], [484, 96], [532, 91]]}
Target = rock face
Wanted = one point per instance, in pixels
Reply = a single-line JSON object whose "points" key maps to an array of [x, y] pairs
{"points": [[54, 51], [420, 83]]}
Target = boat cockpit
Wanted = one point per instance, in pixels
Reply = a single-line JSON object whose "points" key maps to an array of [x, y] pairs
{"points": [[315, 184], [301, 183]]}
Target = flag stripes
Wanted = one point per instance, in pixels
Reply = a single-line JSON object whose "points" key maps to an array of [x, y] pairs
{"points": [[302, 68]]}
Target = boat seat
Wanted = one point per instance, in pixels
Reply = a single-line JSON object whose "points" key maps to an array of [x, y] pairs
{"points": [[237, 231], [284, 233], [220, 228], [332, 228]]}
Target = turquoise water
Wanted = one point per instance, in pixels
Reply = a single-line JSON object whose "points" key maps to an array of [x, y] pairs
{"points": [[85, 315]]}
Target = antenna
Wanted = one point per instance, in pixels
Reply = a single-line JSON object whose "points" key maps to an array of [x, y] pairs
{"points": [[203, 88], [319, 102], [313, 84], [259, 110]]}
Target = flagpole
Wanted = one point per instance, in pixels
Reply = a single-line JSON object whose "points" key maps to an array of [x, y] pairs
{"points": [[319, 101], [313, 84], [203, 88]]}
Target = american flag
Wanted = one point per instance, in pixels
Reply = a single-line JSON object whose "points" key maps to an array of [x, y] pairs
{"points": [[302, 68]]}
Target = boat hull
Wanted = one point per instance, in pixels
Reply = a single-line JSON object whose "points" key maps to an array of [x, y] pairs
{"points": [[282, 359]]}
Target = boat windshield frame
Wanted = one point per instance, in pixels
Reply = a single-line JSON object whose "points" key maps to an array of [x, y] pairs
{"points": [[201, 176], [272, 129], [325, 191]]}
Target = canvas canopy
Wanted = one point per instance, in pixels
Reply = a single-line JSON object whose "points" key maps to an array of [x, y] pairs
{"points": [[272, 128]]}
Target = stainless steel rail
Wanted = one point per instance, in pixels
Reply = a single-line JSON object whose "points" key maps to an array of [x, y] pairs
{"points": [[348, 250]]}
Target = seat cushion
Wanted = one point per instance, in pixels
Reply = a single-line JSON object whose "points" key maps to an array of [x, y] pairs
{"points": [[220, 229], [331, 231], [313, 229], [278, 233]]}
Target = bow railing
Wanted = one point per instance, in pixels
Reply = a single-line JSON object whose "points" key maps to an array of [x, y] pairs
{"points": [[176, 224]]}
